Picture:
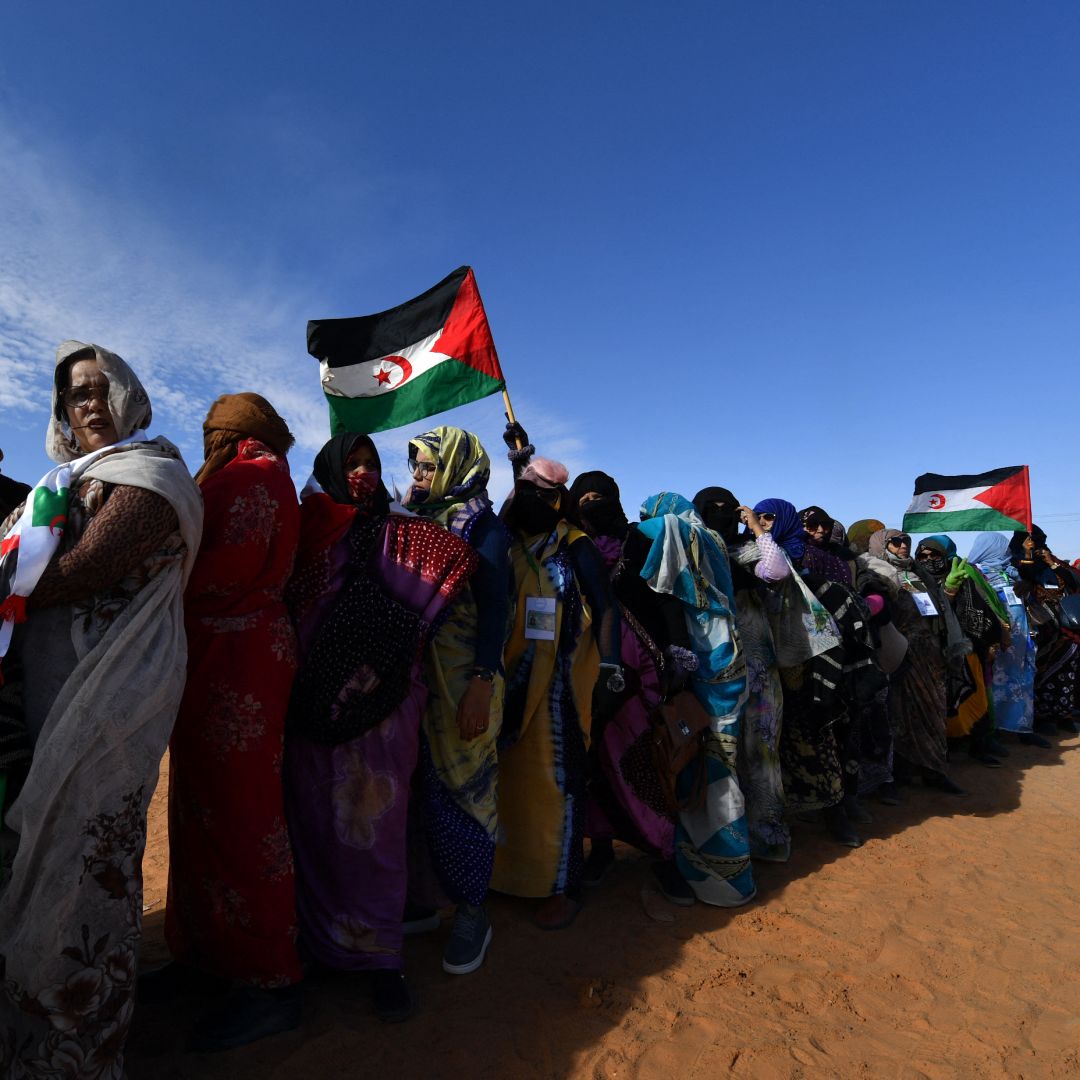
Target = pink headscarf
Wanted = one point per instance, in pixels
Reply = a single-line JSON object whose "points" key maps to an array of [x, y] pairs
{"points": [[544, 472]]}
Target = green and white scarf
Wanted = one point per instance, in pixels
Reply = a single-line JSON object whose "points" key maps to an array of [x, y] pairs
{"points": [[29, 546]]}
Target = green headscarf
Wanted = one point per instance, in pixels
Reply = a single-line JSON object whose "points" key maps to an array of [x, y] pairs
{"points": [[458, 492]]}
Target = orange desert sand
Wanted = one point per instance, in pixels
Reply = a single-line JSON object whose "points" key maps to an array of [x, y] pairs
{"points": [[947, 946]]}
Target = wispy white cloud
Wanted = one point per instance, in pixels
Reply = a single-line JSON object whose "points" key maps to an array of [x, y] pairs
{"points": [[86, 262], [80, 263]]}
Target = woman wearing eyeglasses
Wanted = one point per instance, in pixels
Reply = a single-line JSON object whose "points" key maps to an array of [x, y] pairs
{"points": [[917, 696], [464, 670], [92, 574], [564, 645]]}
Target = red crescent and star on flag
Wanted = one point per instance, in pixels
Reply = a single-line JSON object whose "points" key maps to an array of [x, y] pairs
{"points": [[391, 372]]}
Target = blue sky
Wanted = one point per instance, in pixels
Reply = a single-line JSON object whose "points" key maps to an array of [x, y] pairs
{"points": [[802, 249]]}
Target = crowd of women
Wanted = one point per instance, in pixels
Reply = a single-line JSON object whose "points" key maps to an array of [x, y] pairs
{"points": [[379, 709]]}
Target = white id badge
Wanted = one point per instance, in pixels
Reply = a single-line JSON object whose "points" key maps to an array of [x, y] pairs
{"points": [[1050, 586], [540, 618], [1010, 595], [924, 603]]}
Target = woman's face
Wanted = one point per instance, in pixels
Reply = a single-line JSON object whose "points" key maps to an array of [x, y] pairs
{"points": [[86, 405], [766, 519], [423, 470], [588, 497], [817, 532], [900, 546], [361, 460]]}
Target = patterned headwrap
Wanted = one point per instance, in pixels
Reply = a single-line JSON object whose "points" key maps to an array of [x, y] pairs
{"points": [[814, 515], [686, 561], [787, 529], [458, 493], [129, 405], [860, 532], [233, 418]]}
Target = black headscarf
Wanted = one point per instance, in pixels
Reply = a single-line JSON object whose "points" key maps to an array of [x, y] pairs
{"points": [[1016, 543], [604, 516], [723, 521], [332, 478], [814, 515], [365, 624]]}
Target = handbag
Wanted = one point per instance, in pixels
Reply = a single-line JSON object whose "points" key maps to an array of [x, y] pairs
{"points": [[1041, 621], [680, 726], [1069, 608]]}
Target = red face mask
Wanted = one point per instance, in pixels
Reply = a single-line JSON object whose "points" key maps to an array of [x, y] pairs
{"points": [[362, 485]]}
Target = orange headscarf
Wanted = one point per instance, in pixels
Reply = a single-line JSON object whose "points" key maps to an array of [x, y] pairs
{"points": [[233, 418]]}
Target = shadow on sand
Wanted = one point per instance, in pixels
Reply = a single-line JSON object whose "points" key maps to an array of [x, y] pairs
{"points": [[542, 1000]]}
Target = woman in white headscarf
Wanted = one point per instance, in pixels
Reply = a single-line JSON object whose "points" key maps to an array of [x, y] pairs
{"points": [[91, 585]]}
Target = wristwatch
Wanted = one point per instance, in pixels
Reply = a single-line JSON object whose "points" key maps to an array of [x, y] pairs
{"points": [[482, 673], [615, 683]]}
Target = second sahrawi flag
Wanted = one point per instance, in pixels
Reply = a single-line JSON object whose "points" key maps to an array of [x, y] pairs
{"points": [[420, 358], [998, 500]]}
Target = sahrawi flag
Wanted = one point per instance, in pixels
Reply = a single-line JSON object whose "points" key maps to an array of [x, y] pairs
{"points": [[998, 500], [420, 358]]}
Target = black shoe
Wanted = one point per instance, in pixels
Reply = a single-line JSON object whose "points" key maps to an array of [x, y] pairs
{"points": [[889, 794], [984, 757], [997, 748], [247, 1015], [419, 920], [600, 860], [392, 997], [673, 886], [836, 821], [1029, 738], [166, 984], [941, 782], [1046, 727], [855, 812]]}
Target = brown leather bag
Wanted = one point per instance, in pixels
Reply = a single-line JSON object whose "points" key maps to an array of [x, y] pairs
{"points": [[680, 726]]}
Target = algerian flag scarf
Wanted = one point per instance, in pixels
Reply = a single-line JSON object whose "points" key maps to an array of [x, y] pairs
{"points": [[29, 546]]}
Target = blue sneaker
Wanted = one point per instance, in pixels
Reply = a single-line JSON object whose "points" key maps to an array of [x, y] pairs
{"points": [[470, 937]]}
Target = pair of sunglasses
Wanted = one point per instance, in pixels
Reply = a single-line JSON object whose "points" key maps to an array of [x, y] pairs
{"points": [[896, 541]]}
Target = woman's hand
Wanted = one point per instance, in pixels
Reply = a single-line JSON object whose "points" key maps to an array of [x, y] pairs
{"points": [[367, 679], [750, 520], [955, 577], [474, 709]]}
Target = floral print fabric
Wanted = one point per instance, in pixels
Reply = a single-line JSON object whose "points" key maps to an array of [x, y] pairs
{"points": [[231, 906]]}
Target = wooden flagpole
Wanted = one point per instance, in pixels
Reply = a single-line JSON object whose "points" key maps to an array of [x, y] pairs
{"points": [[513, 419]]}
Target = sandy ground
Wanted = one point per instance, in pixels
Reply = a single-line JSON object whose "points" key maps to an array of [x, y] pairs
{"points": [[947, 946]]}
